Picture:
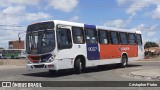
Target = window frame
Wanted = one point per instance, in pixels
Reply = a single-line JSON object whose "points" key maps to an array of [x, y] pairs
{"points": [[73, 36], [96, 36], [110, 37], [138, 39], [125, 38], [107, 36], [58, 38], [131, 39]]}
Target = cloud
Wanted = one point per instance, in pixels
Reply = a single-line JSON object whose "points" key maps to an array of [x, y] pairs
{"points": [[13, 14], [121, 2], [63, 5], [119, 23], [115, 23], [37, 16], [156, 13], [137, 5], [11, 23], [26, 2], [74, 19], [6, 3], [13, 10], [149, 31]]}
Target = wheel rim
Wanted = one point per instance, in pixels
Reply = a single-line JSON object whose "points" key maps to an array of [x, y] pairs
{"points": [[124, 61], [80, 66]]}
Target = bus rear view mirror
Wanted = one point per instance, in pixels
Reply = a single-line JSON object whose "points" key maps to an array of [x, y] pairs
{"points": [[19, 40]]}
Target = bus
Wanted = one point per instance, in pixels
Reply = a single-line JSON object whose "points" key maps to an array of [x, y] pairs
{"points": [[57, 45], [13, 54]]}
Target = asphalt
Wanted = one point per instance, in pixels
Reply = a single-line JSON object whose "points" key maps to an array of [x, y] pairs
{"points": [[152, 73]]}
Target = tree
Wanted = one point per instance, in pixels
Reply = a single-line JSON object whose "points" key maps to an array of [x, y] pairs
{"points": [[150, 44]]}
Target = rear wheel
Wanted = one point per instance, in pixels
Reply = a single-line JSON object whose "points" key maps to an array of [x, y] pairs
{"points": [[124, 61]]}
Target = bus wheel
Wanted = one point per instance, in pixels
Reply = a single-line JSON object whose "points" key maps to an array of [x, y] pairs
{"points": [[12, 57], [79, 66], [124, 61], [52, 72]]}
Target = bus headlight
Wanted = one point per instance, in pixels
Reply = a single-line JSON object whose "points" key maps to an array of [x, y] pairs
{"points": [[51, 59]]}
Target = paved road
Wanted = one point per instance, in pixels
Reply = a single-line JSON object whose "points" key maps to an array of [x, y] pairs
{"points": [[107, 73]]}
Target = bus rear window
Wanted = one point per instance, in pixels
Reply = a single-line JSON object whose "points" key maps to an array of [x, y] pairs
{"points": [[138, 39]]}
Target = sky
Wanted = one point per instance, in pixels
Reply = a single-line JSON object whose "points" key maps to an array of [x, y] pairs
{"points": [[16, 15]]}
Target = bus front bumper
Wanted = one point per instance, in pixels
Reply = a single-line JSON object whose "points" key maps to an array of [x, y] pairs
{"points": [[41, 66]]}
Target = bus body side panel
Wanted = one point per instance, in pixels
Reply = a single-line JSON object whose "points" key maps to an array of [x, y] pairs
{"points": [[92, 49], [109, 51], [131, 50], [105, 53], [115, 51]]}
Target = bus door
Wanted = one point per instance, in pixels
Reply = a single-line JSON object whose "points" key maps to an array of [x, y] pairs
{"points": [[91, 42]]}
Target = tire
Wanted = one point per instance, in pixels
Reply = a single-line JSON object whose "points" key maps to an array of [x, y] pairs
{"points": [[124, 61], [79, 66], [12, 57], [52, 72]]}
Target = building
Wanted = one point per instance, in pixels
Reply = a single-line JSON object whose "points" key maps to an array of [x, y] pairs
{"points": [[153, 50], [16, 44]]}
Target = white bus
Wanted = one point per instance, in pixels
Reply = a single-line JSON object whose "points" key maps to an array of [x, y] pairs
{"points": [[57, 45]]}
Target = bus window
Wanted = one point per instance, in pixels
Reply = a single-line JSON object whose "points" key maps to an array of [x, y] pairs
{"points": [[64, 38], [131, 38], [123, 37], [91, 36], [138, 39], [114, 37], [78, 35], [103, 37]]}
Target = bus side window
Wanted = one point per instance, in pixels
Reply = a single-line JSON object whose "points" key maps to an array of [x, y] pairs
{"points": [[138, 39], [78, 35], [123, 38], [91, 36], [114, 37], [103, 37], [64, 38], [131, 38]]}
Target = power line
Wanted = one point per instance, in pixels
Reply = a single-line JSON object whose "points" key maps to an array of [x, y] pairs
{"points": [[11, 29], [108, 5], [10, 25]]}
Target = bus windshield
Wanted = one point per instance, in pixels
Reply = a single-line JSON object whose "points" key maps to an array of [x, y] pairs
{"points": [[40, 41]]}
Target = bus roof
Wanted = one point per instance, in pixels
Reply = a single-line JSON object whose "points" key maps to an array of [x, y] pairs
{"points": [[69, 23]]}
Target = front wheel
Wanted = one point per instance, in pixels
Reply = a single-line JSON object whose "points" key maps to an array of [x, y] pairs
{"points": [[52, 72]]}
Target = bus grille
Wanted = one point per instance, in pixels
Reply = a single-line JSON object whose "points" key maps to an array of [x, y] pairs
{"points": [[39, 66]]}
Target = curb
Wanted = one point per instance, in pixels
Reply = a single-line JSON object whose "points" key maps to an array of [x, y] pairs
{"points": [[15, 62], [2, 67]]}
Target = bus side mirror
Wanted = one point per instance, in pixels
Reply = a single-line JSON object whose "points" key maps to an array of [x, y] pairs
{"points": [[19, 39]]}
